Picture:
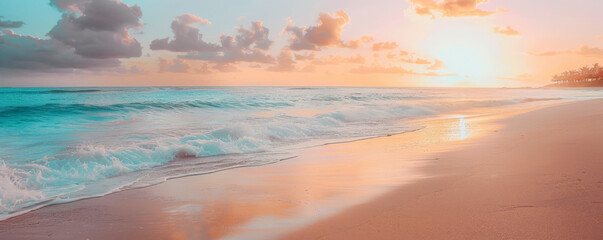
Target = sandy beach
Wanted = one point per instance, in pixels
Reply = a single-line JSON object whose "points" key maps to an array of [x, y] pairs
{"points": [[534, 174], [314, 119], [538, 177]]}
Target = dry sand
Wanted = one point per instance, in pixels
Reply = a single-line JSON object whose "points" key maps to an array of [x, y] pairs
{"points": [[536, 175], [539, 177]]}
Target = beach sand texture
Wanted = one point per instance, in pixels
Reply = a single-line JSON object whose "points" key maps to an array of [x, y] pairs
{"points": [[539, 177], [533, 175]]}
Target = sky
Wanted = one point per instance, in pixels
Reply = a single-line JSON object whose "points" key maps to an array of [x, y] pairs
{"points": [[381, 43]]}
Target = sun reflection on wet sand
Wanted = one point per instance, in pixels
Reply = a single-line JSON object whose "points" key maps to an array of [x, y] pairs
{"points": [[463, 130], [264, 202]]}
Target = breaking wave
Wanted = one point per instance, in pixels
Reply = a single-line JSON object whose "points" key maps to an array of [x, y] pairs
{"points": [[72, 144]]}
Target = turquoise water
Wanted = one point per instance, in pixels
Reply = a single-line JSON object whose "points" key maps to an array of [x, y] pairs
{"points": [[62, 144]]}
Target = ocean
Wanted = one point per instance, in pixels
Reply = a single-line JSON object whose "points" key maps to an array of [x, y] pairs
{"points": [[63, 144]]}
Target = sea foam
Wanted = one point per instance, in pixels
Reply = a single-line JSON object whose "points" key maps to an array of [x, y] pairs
{"points": [[60, 145]]}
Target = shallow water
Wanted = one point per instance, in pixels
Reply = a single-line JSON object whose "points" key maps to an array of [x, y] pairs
{"points": [[59, 145]]}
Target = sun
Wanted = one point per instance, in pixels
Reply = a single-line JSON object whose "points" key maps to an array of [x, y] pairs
{"points": [[468, 49], [467, 60]]}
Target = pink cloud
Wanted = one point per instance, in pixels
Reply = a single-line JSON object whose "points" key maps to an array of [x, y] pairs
{"points": [[384, 46], [307, 56], [506, 31], [333, 60], [451, 8], [416, 60], [437, 65], [186, 36], [284, 62], [549, 53], [327, 33], [10, 24], [99, 29], [28, 52], [584, 50], [588, 51], [377, 69], [178, 65], [381, 70], [249, 45]]}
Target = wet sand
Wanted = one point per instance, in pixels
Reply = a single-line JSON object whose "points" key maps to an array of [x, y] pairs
{"points": [[536, 175]]}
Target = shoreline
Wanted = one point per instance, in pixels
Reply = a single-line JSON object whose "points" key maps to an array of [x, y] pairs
{"points": [[212, 216], [522, 183]]}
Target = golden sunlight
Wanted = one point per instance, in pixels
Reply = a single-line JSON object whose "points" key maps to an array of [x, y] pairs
{"points": [[338, 119], [469, 50]]}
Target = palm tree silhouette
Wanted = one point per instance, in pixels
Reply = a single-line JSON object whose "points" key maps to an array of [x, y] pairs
{"points": [[584, 77]]}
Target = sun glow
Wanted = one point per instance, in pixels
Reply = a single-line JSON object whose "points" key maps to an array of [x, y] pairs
{"points": [[466, 60], [471, 51]]}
